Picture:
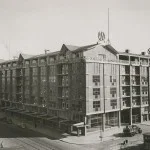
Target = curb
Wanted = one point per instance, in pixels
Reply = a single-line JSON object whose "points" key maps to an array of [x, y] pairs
{"points": [[112, 139]]}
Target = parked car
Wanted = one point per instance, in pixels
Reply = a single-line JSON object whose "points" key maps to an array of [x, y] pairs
{"points": [[131, 130]]}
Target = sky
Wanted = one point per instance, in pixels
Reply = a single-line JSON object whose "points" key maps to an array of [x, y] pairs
{"points": [[31, 26]]}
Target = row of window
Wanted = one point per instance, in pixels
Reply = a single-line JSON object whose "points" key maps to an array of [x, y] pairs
{"points": [[113, 103], [113, 91]]}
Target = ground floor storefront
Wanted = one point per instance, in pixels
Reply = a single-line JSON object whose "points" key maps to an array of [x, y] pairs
{"points": [[38, 117], [103, 121]]}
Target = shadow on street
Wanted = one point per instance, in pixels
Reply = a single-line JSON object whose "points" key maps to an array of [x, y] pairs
{"points": [[13, 131]]}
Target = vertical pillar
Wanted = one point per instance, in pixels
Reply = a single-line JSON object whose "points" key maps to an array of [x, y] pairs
{"points": [[70, 129], [78, 133], [83, 131], [103, 123], [39, 88], [130, 113], [141, 116], [47, 86], [30, 85], [119, 118], [147, 118], [89, 121], [130, 116], [85, 122], [10, 88]]}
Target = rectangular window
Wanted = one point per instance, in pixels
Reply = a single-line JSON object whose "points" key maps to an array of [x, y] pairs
{"points": [[96, 91], [51, 59], [145, 108], [27, 72], [145, 90], [42, 61], [96, 78], [67, 106], [113, 102], [14, 64], [96, 104], [113, 91], [34, 62], [9, 65], [27, 63], [145, 100], [110, 78], [34, 71], [63, 105], [113, 79], [43, 71]]}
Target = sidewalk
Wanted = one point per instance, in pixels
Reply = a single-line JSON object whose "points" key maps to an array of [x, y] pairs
{"points": [[146, 123], [90, 138]]}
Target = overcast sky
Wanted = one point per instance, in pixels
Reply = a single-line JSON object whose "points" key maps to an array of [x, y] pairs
{"points": [[30, 26]]}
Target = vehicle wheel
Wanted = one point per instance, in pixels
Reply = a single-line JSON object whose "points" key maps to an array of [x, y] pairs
{"points": [[132, 134]]}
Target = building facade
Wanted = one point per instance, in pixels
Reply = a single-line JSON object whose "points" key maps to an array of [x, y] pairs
{"points": [[91, 87]]}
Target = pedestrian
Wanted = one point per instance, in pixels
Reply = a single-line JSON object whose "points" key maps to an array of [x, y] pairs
{"points": [[2, 144]]}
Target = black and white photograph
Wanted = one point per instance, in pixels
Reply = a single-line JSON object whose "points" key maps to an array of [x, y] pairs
{"points": [[74, 75]]}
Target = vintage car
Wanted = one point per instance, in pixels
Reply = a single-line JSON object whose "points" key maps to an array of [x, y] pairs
{"points": [[131, 130]]}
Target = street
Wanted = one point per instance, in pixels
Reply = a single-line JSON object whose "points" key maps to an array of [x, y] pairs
{"points": [[134, 143], [25, 139]]}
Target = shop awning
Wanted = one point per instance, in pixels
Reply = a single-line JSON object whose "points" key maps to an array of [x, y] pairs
{"points": [[78, 125]]}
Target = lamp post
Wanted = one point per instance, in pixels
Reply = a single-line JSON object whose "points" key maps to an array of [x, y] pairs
{"points": [[101, 134]]}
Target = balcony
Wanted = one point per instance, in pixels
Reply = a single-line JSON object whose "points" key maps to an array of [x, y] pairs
{"points": [[145, 103], [144, 62], [125, 83], [126, 102], [126, 94], [136, 103], [135, 93], [96, 109], [135, 63], [125, 70], [124, 61], [144, 93], [135, 84], [125, 105]]}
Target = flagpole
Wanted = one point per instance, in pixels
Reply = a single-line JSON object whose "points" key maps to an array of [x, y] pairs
{"points": [[108, 41]]}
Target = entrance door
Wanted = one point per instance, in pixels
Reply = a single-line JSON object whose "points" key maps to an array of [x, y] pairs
{"points": [[135, 118]]}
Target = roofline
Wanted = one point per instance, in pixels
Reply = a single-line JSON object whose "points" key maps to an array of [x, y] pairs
{"points": [[84, 48], [9, 61], [132, 54], [43, 55]]}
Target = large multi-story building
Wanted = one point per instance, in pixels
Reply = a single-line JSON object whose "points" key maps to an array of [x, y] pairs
{"points": [[90, 87]]}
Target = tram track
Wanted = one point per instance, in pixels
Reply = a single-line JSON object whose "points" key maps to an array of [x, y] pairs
{"points": [[31, 144]]}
